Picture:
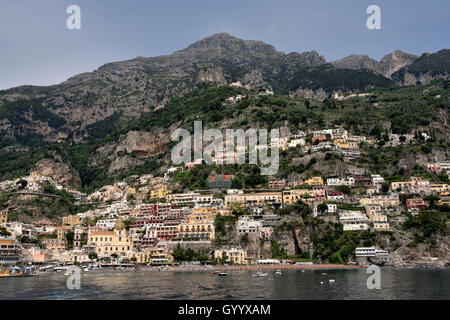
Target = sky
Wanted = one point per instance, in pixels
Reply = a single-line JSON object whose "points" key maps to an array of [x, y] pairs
{"points": [[37, 48]]}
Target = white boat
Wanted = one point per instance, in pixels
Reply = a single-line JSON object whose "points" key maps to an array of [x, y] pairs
{"points": [[331, 280], [260, 274], [278, 272], [221, 274]]}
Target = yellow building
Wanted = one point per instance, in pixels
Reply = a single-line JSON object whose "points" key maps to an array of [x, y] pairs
{"points": [[203, 215], [159, 192], [346, 143], [294, 195], [236, 256], [399, 185], [379, 219], [3, 217], [153, 254], [439, 187], [197, 231], [71, 220], [108, 242], [383, 200], [259, 199], [380, 226], [314, 181]]}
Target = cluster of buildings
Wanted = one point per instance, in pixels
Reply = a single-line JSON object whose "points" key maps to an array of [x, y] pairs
{"points": [[34, 184], [140, 219]]}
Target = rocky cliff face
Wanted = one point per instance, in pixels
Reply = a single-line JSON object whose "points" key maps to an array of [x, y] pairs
{"points": [[131, 150], [59, 171], [425, 69], [396, 60], [388, 65]]}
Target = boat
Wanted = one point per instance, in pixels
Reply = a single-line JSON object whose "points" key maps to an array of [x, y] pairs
{"points": [[221, 274], [260, 274], [215, 272], [331, 280], [18, 272], [278, 272]]}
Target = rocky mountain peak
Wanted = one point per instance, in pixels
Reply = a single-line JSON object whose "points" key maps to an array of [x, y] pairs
{"points": [[396, 60], [228, 42]]}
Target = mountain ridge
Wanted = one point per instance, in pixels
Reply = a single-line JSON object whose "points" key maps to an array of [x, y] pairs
{"points": [[118, 92]]}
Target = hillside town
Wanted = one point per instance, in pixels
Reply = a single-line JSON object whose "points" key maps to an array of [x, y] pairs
{"points": [[143, 220]]}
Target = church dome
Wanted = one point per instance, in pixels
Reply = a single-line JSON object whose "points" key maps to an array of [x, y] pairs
{"points": [[120, 225]]}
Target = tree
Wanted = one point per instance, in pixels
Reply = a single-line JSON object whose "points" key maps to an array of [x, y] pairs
{"points": [[431, 200], [93, 255], [224, 258], [69, 239], [345, 189], [322, 208], [22, 184]]}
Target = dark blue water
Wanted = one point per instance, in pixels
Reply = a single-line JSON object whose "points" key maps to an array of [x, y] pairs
{"points": [[349, 284]]}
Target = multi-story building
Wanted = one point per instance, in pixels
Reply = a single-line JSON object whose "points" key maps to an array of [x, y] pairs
{"points": [[183, 199], [354, 220], [376, 179], [439, 166], [314, 181], [370, 252], [248, 225], [260, 199], [332, 208], [233, 255], [416, 203], [71, 220], [54, 244], [10, 251], [203, 215], [159, 192], [167, 231], [381, 226], [294, 195], [335, 195], [18, 229], [202, 231], [437, 188], [414, 185], [106, 223], [277, 184], [383, 200], [221, 181], [109, 242]]}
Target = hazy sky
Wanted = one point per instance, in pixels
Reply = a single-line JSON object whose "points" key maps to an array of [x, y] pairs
{"points": [[37, 48]]}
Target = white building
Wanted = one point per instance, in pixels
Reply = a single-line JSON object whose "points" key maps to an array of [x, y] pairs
{"points": [[106, 223], [370, 252], [377, 179], [249, 226]]}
